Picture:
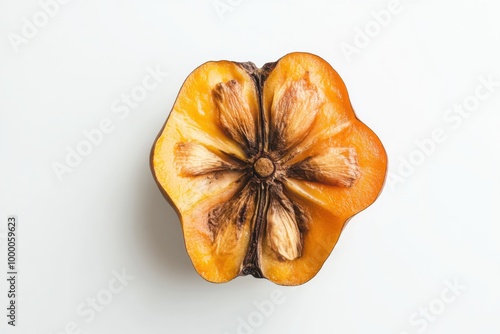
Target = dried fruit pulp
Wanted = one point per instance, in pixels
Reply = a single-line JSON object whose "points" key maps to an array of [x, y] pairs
{"points": [[265, 166]]}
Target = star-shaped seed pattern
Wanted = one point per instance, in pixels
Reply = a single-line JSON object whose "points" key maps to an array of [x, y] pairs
{"points": [[270, 142]]}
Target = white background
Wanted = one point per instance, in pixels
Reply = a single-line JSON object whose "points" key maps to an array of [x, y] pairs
{"points": [[437, 225]]}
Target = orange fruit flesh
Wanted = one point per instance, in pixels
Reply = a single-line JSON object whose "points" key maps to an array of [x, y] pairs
{"points": [[195, 122]]}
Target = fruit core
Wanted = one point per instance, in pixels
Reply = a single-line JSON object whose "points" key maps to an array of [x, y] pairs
{"points": [[264, 167]]}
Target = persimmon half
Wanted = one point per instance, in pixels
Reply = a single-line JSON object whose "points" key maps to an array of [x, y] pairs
{"points": [[265, 167]]}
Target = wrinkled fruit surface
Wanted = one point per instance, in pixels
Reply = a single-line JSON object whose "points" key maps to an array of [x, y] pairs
{"points": [[265, 167]]}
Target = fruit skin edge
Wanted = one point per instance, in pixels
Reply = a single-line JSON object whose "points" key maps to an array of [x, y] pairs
{"points": [[269, 66]]}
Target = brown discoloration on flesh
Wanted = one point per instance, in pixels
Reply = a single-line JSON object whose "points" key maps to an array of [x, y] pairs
{"points": [[226, 221]]}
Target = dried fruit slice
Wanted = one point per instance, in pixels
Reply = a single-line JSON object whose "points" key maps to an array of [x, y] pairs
{"points": [[265, 166]]}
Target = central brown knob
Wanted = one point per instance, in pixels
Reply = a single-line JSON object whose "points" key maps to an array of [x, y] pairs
{"points": [[264, 167]]}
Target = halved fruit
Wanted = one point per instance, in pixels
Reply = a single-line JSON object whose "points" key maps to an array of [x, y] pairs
{"points": [[265, 166]]}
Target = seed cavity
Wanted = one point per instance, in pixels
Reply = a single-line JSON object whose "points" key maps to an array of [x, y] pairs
{"points": [[335, 166], [234, 115], [195, 159], [294, 109], [282, 230]]}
